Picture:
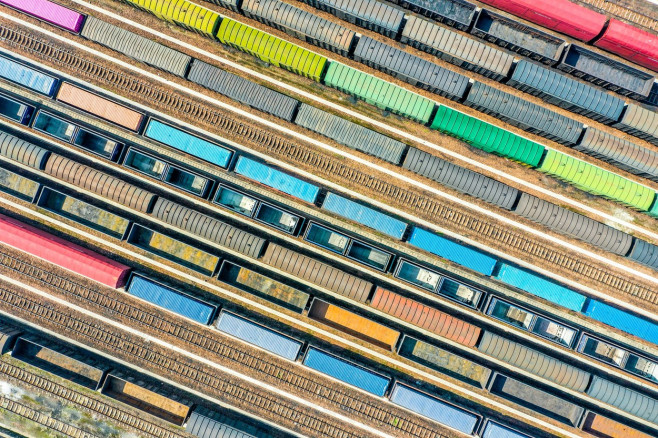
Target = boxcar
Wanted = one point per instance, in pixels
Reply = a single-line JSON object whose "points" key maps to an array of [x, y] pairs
{"points": [[640, 122], [622, 319], [206, 423], [49, 11], [624, 398], [456, 13], [645, 252], [629, 42], [26, 76], [276, 179], [8, 336], [495, 430], [17, 185], [601, 426], [183, 13]]}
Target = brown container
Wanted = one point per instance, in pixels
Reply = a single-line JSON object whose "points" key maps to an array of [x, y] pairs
{"points": [[426, 317], [604, 427], [99, 106], [272, 288], [353, 324]]}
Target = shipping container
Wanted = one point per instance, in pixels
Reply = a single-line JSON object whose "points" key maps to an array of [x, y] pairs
{"points": [[630, 42], [418, 275], [604, 427], [27, 76], [645, 252], [455, 252], [379, 92], [171, 299], [18, 186], [350, 134], [640, 122], [444, 361], [574, 224], [99, 106], [523, 114], [426, 317], [456, 13], [134, 394], [346, 371], [353, 324], [186, 142], [83, 213], [539, 401], [208, 228], [183, 13], [100, 183], [50, 12], [624, 398], [8, 336], [271, 49], [371, 14], [566, 92], [486, 136], [460, 178], [540, 286], [435, 409], [622, 320], [518, 37], [263, 286], [63, 253], [460, 292], [457, 49], [243, 90], [620, 152], [206, 423], [316, 272], [136, 46], [15, 110], [410, 68], [22, 151], [606, 72], [70, 363], [560, 15], [259, 335], [173, 250], [495, 430]]}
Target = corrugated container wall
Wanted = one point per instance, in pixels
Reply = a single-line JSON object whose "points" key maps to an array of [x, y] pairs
{"points": [[640, 122], [49, 11], [370, 14], [456, 13], [622, 320], [645, 252], [205, 423], [22, 151], [182, 13], [495, 430], [599, 425], [277, 179], [626, 399], [26, 76]]}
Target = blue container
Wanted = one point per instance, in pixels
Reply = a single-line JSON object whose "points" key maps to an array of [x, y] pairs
{"points": [[434, 409], [259, 335], [188, 143], [623, 320], [536, 285], [495, 430], [470, 258], [26, 76], [172, 300], [347, 372], [364, 215], [276, 179]]}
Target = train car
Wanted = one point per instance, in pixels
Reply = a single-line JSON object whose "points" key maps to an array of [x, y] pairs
{"points": [[623, 320], [18, 186], [171, 299], [70, 363], [604, 427], [62, 253], [99, 106], [353, 324], [8, 336], [83, 213], [23, 152], [27, 77], [518, 37], [461, 293], [640, 122], [629, 42], [418, 275], [455, 13], [645, 252], [624, 398], [259, 335], [346, 371], [495, 430], [215, 423], [15, 110], [50, 12], [185, 14]]}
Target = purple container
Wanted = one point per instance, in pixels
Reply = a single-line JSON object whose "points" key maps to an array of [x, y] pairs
{"points": [[50, 12]]}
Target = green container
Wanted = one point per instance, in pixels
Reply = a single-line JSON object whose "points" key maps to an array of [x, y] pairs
{"points": [[271, 49], [654, 209], [378, 92], [597, 181], [487, 137], [182, 12]]}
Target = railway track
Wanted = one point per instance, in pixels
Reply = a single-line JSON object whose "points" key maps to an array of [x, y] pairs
{"points": [[329, 167], [283, 376]]}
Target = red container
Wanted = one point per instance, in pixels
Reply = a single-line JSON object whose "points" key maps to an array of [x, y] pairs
{"points": [[559, 15], [630, 43], [62, 253]]}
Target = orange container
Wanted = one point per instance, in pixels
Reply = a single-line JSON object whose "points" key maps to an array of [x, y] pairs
{"points": [[601, 426]]}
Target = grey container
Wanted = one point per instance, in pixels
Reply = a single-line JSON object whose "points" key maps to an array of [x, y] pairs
{"points": [[317, 272], [622, 153], [301, 24], [536, 399], [23, 151], [518, 37], [625, 399], [640, 122], [606, 72], [523, 114], [645, 253], [100, 183], [461, 179], [568, 222], [410, 68], [456, 13], [205, 423], [242, 90], [566, 92], [350, 134], [462, 51], [228, 4], [371, 14], [534, 362], [208, 228], [135, 46]]}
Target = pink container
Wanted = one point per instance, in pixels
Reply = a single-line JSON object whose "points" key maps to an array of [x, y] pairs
{"points": [[631, 43], [48, 11]]}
